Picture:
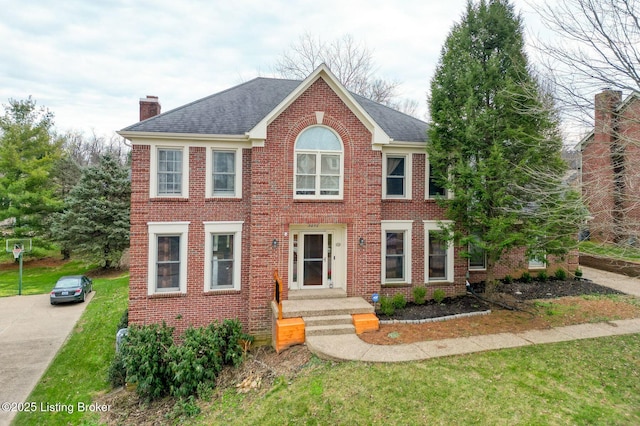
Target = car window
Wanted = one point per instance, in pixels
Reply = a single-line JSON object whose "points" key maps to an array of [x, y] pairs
{"points": [[67, 283]]}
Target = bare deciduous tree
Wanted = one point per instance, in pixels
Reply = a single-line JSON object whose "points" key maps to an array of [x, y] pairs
{"points": [[351, 62], [598, 45]]}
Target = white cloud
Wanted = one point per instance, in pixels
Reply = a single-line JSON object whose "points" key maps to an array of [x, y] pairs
{"points": [[90, 62]]}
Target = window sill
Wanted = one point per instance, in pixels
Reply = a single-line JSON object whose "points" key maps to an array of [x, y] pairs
{"points": [[222, 292], [167, 295], [396, 285], [218, 199], [168, 199], [318, 200]]}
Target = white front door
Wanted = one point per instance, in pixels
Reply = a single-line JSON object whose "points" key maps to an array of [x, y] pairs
{"points": [[317, 259]]}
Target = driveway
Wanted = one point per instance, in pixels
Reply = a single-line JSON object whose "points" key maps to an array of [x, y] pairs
{"points": [[31, 333], [623, 283]]}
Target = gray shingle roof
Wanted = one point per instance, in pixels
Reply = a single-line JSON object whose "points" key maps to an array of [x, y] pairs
{"points": [[237, 110]]}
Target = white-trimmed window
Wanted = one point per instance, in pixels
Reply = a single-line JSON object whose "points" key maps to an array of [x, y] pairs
{"points": [[169, 172], [438, 254], [537, 263], [434, 189], [223, 253], [224, 172], [396, 251], [477, 258], [397, 176], [319, 164], [167, 269]]}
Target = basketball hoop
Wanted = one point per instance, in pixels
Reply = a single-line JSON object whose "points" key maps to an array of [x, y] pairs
{"points": [[16, 252]]}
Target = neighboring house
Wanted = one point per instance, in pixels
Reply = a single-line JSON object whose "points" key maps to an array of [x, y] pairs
{"points": [[610, 174], [327, 187]]}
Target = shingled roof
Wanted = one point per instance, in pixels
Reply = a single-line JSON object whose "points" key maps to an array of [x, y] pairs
{"points": [[237, 110]]}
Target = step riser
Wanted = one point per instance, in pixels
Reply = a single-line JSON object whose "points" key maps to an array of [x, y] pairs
{"points": [[328, 320], [327, 312], [329, 330]]}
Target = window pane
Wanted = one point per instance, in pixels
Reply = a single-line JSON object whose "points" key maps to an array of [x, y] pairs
{"points": [[318, 138], [223, 246], [395, 186], [305, 185], [394, 258], [330, 164], [224, 184], [395, 166], [434, 188], [168, 262], [477, 257], [224, 162], [222, 260], [437, 256], [329, 182], [306, 164]]}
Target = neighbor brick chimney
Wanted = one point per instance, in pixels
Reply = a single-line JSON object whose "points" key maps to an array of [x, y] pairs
{"points": [[149, 107], [606, 103]]}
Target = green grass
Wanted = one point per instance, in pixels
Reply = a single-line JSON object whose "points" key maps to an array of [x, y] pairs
{"points": [[36, 279], [593, 381], [622, 252], [79, 370]]}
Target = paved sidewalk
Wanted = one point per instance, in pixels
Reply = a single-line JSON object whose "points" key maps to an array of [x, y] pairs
{"points": [[349, 346], [31, 333]]}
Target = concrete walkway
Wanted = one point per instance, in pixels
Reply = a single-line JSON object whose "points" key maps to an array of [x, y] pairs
{"points": [[31, 333], [349, 346]]}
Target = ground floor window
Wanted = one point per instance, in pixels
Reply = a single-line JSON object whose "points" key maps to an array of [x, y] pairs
{"points": [[396, 251], [167, 269], [438, 254], [223, 248]]}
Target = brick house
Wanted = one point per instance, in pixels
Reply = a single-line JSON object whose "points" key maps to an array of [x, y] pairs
{"points": [[327, 187], [610, 179]]}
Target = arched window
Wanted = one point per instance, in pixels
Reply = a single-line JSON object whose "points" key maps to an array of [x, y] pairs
{"points": [[318, 164]]}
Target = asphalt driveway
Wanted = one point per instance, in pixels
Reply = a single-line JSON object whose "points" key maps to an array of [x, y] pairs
{"points": [[31, 333]]}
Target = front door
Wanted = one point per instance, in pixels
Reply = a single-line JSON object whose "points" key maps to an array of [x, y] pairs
{"points": [[313, 259]]}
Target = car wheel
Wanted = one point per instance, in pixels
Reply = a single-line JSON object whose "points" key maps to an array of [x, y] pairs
{"points": [[53, 303], [84, 296]]}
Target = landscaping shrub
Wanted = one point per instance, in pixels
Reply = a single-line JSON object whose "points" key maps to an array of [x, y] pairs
{"points": [[560, 274], [542, 276], [399, 301], [526, 277], [150, 358], [145, 354], [508, 279], [419, 295], [578, 273], [439, 295], [386, 306]]}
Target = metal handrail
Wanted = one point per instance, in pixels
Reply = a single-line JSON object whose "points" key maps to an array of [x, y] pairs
{"points": [[277, 293]]}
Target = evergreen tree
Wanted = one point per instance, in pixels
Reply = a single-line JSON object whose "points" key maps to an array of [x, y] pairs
{"points": [[28, 153], [494, 141], [95, 221]]}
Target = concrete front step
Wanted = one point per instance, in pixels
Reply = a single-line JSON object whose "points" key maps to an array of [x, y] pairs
{"points": [[324, 307], [327, 320], [328, 293], [329, 330]]}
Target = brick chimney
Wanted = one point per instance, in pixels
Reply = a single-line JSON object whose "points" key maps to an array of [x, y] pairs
{"points": [[149, 107], [606, 103]]}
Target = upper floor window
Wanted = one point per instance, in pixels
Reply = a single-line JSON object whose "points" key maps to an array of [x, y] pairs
{"points": [[318, 164], [434, 187], [224, 172], [397, 176], [169, 171]]}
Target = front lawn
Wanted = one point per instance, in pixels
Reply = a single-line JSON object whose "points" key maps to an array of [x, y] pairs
{"points": [[38, 276]]}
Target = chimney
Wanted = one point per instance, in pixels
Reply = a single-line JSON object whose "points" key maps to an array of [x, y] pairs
{"points": [[606, 103], [149, 107]]}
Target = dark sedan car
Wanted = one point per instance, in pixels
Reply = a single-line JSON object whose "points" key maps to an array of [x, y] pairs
{"points": [[73, 288]]}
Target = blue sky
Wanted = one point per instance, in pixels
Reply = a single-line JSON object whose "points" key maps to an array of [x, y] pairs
{"points": [[90, 62]]}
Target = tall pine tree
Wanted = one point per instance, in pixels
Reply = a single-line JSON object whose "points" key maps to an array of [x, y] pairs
{"points": [[495, 140], [95, 221], [29, 151]]}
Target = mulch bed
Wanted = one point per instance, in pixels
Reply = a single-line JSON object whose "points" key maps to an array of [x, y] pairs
{"points": [[510, 294]]}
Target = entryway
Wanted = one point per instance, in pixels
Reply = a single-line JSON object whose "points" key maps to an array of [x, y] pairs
{"points": [[317, 257]]}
